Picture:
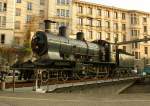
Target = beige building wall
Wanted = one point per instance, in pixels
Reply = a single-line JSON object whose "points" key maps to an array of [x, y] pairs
{"points": [[29, 14], [137, 25], [6, 22], [60, 12]]}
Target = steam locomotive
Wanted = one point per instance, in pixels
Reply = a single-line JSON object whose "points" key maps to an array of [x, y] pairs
{"points": [[70, 58]]}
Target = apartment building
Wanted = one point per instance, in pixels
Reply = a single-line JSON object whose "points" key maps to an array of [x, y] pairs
{"points": [[110, 23], [29, 15], [6, 22], [103, 22], [19, 16]]}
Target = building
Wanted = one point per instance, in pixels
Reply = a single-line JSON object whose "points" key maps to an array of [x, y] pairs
{"points": [[29, 15], [6, 22], [19, 16]]}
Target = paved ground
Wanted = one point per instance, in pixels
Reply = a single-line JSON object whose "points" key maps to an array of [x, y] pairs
{"points": [[32, 99], [102, 95]]}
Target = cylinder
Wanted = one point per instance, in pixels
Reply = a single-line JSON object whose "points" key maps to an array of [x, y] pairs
{"points": [[63, 31], [80, 36]]}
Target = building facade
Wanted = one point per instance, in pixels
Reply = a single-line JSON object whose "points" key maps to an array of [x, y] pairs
{"points": [[19, 16], [6, 22]]}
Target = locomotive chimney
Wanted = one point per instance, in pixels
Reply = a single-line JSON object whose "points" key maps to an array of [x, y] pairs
{"points": [[63, 31], [48, 25], [80, 36]]}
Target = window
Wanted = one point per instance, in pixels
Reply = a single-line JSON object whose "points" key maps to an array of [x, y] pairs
{"points": [[29, 6], [29, 17], [134, 19], [116, 26], [115, 15], [67, 1], [144, 19], [1, 6], [99, 36], [123, 27], [2, 38], [99, 12], [123, 16], [0, 21], [99, 24], [5, 7], [146, 50], [42, 2], [145, 29], [62, 2], [80, 21], [80, 9], [18, 1], [135, 32], [108, 36], [63, 12], [107, 14], [17, 25], [58, 12], [42, 13], [90, 10], [90, 22], [145, 37], [117, 38], [67, 13], [124, 38], [18, 11], [58, 2], [107, 24], [4, 21], [136, 55], [135, 45]]}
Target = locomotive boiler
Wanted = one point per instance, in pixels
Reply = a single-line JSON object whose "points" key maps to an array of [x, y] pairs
{"points": [[62, 48]]}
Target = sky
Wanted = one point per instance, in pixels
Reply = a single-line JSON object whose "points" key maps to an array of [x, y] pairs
{"points": [[142, 5]]}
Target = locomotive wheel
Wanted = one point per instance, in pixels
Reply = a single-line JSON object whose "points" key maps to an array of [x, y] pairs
{"points": [[83, 75], [64, 76], [45, 76]]}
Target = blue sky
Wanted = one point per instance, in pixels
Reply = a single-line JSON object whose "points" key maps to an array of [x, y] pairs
{"points": [[143, 5]]}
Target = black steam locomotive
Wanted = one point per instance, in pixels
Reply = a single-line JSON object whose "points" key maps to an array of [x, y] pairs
{"points": [[75, 58]]}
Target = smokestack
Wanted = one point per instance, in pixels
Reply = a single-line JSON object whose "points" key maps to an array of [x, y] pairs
{"points": [[48, 25], [80, 36], [63, 31]]}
